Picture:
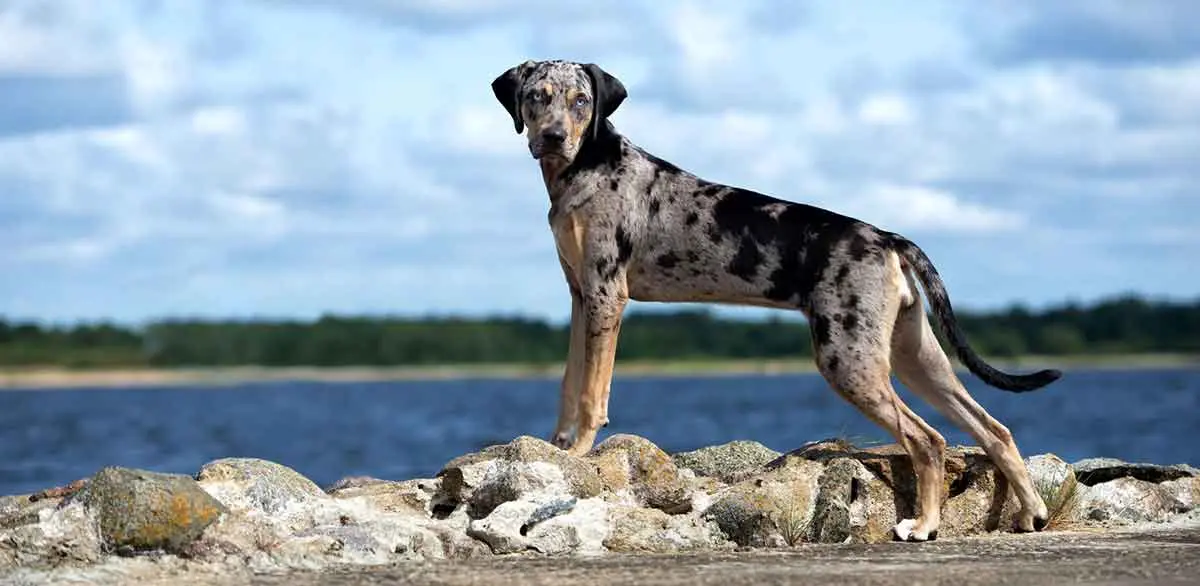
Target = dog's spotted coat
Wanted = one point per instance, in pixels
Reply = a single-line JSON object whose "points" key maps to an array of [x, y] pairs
{"points": [[629, 225]]}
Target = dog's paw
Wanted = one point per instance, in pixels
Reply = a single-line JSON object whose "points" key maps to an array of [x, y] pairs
{"points": [[563, 440], [1031, 519], [1030, 523], [909, 530]]}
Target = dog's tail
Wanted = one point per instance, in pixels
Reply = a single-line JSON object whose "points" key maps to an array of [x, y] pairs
{"points": [[939, 300]]}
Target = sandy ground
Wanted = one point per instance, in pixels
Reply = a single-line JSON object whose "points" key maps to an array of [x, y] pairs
{"points": [[60, 378]]}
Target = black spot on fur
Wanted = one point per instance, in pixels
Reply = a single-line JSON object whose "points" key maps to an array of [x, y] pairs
{"points": [[746, 260], [842, 273], [602, 290], [624, 246], [850, 322], [693, 256], [655, 205], [613, 184], [668, 260], [671, 199], [850, 302], [691, 218], [833, 363], [710, 190], [603, 263], [820, 330]]}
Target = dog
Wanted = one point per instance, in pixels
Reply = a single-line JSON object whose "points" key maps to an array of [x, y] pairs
{"points": [[630, 225]]}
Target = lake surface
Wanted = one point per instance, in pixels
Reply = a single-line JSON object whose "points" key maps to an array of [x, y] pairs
{"points": [[400, 430]]}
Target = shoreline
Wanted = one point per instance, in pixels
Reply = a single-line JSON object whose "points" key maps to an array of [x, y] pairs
{"points": [[49, 378]]}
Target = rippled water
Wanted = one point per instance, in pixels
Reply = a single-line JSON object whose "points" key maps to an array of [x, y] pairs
{"points": [[409, 429]]}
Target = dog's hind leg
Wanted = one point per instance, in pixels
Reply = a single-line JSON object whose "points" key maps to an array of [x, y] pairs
{"points": [[852, 353], [922, 366]]}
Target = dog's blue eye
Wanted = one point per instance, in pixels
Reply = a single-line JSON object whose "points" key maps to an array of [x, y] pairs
{"points": [[581, 101]]}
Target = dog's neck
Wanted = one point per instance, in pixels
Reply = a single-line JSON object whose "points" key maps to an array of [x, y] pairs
{"points": [[598, 149]]}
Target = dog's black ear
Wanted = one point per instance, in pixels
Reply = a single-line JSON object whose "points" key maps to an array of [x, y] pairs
{"points": [[607, 94], [507, 88]]}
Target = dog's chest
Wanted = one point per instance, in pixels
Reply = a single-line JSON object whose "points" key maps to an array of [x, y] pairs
{"points": [[568, 233]]}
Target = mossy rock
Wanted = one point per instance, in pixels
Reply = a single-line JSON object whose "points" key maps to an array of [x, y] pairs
{"points": [[146, 510]]}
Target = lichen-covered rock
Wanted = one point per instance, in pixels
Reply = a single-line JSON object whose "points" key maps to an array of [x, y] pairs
{"points": [[1093, 471], [250, 483], [653, 477], [730, 462], [771, 508], [1128, 499], [146, 510], [462, 475], [640, 530], [853, 505]]}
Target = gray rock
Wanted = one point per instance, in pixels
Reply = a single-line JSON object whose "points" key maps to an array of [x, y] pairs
{"points": [[730, 462], [1093, 471], [1128, 499], [60, 536], [250, 483], [653, 477], [146, 510], [502, 529], [510, 481], [458, 474]]}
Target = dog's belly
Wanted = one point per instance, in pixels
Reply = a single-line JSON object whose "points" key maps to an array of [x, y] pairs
{"points": [[699, 284]]}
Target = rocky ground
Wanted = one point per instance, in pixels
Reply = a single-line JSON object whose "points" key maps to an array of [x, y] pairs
{"points": [[526, 512]]}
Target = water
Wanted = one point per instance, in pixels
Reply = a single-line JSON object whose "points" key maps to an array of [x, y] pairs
{"points": [[400, 430]]}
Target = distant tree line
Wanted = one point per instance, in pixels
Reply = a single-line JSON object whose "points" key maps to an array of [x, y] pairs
{"points": [[1123, 325]]}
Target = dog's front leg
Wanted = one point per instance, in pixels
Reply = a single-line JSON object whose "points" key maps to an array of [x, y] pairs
{"points": [[602, 324], [565, 430]]}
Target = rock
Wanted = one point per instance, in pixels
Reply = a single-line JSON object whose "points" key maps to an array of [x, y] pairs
{"points": [[771, 508], [1187, 490], [504, 529], [148, 510], [853, 505], [510, 481], [580, 530], [250, 483], [462, 475], [653, 477], [1128, 499], [59, 536], [409, 496], [1093, 471], [730, 462], [639, 530]]}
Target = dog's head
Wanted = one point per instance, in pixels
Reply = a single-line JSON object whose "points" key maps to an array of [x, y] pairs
{"points": [[562, 103]]}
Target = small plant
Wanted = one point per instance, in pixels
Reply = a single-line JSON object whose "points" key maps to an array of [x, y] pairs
{"points": [[1061, 498], [789, 511]]}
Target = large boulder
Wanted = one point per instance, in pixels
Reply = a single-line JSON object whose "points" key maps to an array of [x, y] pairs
{"points": [[142, 510]]}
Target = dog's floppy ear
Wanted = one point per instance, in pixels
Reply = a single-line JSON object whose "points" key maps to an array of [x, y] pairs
{"points": [[507, 88], [607, 94]]}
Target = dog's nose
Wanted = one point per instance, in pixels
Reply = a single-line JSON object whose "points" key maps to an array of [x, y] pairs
{"points": [[555, 135]]}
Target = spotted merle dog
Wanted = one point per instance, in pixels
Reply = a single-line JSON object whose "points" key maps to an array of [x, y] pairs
{"points": [[629, 225]]}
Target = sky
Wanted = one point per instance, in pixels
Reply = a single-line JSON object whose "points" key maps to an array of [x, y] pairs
{"points": [[288, 159]]}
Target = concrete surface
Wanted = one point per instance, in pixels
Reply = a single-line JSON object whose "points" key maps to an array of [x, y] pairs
{"points": [[1168, 556]]}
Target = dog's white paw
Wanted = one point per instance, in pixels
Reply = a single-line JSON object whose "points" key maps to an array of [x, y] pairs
{"points": [[908, 530]]}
